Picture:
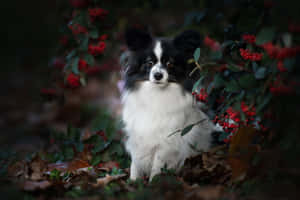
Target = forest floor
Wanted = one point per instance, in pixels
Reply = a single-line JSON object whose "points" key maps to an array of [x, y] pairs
{"points": [[44, 157]]}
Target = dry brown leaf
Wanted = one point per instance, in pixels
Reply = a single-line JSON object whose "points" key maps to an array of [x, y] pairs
{"points": [[19, 168], [107, 179], [209, 162], [35, 185], [78, 164], [208, 166], [69, 166], [241, 152]]}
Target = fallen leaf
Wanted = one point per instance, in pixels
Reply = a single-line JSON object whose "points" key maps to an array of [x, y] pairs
{"points": [[107, 179], [19, 168], [77, 164], [35, 185], [68, 166]]}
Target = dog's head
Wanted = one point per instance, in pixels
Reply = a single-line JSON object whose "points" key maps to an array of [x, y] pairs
{"points": [[159, 60]]}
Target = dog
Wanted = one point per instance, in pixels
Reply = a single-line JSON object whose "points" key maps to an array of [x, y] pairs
{"points": [[157, 102]]}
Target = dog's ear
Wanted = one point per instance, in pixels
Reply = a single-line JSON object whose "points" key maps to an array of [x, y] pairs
{"points": [[137, 39], [188, 41]]}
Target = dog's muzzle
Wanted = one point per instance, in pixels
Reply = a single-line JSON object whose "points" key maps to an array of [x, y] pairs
{"points": [[158, 75]]}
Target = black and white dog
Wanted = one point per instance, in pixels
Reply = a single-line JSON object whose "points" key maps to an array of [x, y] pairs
{"points": [[157, 101]]}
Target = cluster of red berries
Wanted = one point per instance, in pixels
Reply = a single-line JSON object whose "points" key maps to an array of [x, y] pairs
{"points": [[82, 65], [95, 46], [97, 49], [212, 44], [103, 37], [231, 120], [202, 96], [249, 38], [249, 112], [96, 13], [73, 80], [247, 55], [78, 29], [280, 53]]}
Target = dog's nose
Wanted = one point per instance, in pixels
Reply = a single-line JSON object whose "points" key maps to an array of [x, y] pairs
{"points": [[158, 76]]}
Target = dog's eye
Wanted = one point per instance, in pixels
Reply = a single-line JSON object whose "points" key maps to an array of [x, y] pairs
{"points": [[150, 63], [169, 64]]}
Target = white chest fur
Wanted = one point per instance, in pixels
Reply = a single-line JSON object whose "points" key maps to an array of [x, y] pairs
{"points": [[151, 113]]}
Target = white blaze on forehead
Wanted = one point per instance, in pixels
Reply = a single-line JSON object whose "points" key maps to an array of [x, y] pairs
{"points": [[158, 50]]}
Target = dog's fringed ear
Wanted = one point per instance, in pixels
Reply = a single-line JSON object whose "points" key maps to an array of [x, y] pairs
{"points": [[188, 41], [137, 39]]}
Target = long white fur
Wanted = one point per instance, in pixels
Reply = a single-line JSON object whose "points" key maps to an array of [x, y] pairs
{"points": [[151, 113]]}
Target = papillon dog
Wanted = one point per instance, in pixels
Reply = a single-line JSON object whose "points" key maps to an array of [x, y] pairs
{"points": [[157, 102]]}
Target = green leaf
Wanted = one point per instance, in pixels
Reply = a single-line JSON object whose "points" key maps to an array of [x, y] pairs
{"points": [[265, 102], [218, 81], [75, 65], [187, 129], [55, 174], [243, 116], [96, 160], [84, 44], [233, 68], [216, 55], [196, 85], [261, 73], [232, 86], [89, 59], [71, 54], [94, 33], [100, 146], [197, 54], [265, 35], [222, 136], [247, 81], [227, 43]]}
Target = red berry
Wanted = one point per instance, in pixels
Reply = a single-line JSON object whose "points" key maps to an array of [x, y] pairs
{"points": [[82, 65], [73, 80]]}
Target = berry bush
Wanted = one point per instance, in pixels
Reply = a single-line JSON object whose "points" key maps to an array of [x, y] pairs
{"points": [[241, 75]]}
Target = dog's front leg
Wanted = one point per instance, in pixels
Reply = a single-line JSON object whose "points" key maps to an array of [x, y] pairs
{"points": [[165, 158], [134, 172]]}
